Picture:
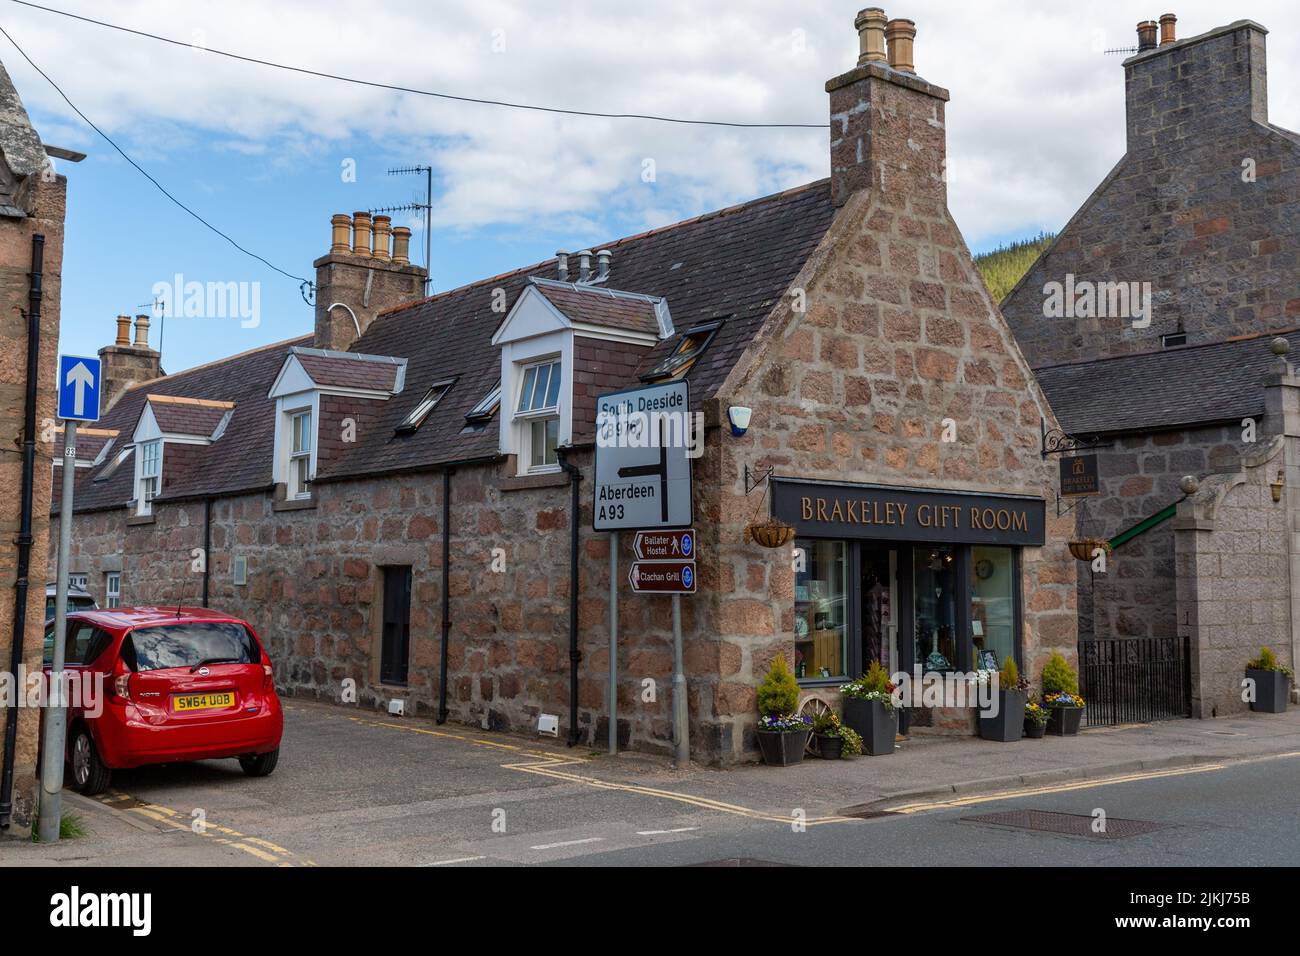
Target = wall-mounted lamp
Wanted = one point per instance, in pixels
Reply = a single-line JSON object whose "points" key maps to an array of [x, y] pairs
{"points": [[1277, 486], [739, 417]]}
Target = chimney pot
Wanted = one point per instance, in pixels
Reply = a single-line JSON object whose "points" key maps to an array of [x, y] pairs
{"points": [[1146, 35], [123, 330], [603, 258], [383, 227], [562, 265], [1167, 22], [871, 35], [901, 34], [361, 234], [142, 331], [340, 228], [584, 265], [401, 245]]}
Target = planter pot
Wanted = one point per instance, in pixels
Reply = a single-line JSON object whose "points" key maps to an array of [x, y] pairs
{"points": [[874, 723], [1008, 722], [1272, 688], [1064, 721], [829, 747], [782, 750], [1035, 731]]}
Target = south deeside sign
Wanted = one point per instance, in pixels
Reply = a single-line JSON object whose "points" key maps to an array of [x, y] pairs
{"points": [[828, 510]]}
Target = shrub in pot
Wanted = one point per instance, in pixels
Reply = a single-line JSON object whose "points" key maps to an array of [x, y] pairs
{"points": [[826, 730], [1061, 697], [869, 710], [1271, 682], [1035, 720], [782, 732], [1004, 719]]}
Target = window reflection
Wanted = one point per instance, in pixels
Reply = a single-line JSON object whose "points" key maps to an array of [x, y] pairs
{"points": [[821, 609]]}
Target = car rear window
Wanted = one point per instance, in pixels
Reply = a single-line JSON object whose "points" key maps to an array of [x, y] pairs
{"points": [[188, 644]]}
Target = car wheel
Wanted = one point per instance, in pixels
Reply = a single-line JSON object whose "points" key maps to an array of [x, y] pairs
{"points": [[89, 774], [260, 765]]}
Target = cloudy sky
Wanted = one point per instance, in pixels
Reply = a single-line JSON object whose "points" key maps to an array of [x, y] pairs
{"points": [[1036, 119]]}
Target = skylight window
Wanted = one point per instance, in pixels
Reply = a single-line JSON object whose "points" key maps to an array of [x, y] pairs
{"points": [[683, 357], [485, 409], [425, 405]]}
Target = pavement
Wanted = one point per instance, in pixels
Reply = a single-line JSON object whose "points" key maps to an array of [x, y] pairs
{"points": [[362, 788]]}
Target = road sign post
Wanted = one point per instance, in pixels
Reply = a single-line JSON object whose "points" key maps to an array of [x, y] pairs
{"points": [[78, 400]]}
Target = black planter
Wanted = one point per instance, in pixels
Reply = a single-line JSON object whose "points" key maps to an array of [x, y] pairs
{"points": [[877, 725], [829, 747], [1008, 723], [1064, 721], [1272, 688], [782, 750], [1035, 731]]}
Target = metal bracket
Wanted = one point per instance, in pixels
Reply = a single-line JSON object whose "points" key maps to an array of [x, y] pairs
{"points": [[1077, 501], [750, 487], [1059, 442]]}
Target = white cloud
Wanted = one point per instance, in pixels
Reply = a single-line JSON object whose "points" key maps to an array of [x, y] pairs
{"points": [[1035, 121]]}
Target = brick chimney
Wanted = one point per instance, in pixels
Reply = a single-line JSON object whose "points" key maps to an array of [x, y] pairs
{"points": [[126, 362], [366, 271], [1184, 93], [887, 124]]}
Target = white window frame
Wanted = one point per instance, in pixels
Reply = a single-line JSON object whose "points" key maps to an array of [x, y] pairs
{"points": [[148, 475], [299, 475], [425, 406], [113, 589], [525, 419]]}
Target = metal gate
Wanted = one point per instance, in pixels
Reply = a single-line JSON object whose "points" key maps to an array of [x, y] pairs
{"points": [[1135, 680]]}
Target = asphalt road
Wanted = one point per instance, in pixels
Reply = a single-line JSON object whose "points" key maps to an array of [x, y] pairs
{"points": [[359, 788]]}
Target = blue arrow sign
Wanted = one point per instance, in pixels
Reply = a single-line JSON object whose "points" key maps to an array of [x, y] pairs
{"points": [[78, 386]]}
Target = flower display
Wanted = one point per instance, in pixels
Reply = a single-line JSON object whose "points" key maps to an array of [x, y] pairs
{"points": [[784, 723], [1063, 698]]}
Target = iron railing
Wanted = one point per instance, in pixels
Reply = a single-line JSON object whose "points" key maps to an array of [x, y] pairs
{"points": [[1135, 680]]}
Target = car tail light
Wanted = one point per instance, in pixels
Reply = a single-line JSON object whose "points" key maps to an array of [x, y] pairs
{"points": [[121, 682], [267, 683]]}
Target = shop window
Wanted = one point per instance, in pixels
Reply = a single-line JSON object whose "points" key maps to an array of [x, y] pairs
{"points": [[993, 606], [934, 583], [821, 610]]}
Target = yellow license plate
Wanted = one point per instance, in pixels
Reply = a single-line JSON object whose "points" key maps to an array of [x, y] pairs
{"points": [[225, 698]]}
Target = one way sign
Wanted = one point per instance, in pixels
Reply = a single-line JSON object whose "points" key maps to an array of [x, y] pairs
{"points": [[78, 388]]}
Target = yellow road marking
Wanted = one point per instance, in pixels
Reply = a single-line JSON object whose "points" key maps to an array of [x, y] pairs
{"points": [[1052, 788], [179, 822], [546, 763]]}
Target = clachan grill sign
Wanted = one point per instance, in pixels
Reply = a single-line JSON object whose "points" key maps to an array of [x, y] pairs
{"points": [[644, 441]]}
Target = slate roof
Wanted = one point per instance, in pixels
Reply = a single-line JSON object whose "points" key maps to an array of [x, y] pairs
{"points": [[597, 305], [1172, 388], [334, 369], [239, 461], [186, 418], [732, 264]]}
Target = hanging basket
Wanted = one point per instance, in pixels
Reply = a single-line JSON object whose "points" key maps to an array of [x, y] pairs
{"points": [[770, 533], [1082, 550]]}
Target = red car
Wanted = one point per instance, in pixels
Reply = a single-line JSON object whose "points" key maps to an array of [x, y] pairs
{"points": [[178, 684]]}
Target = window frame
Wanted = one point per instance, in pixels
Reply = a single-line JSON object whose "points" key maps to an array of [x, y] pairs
{"points": [[148, 480], [112, 596], [294, 490], [549, 411], [425, 406]]}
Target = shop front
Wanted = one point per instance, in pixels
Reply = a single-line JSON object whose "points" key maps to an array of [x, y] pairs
{"points": [[913, 578]]}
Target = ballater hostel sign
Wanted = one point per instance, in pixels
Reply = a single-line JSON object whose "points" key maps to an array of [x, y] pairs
{"points": [[832, 510]]}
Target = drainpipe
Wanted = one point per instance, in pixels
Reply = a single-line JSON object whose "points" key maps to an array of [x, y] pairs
{"points": [[446, 598], [207, 547], [575, 515], [24, 539]]}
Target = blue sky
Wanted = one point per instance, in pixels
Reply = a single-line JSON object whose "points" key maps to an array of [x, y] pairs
{"points": [[1035, 121]]}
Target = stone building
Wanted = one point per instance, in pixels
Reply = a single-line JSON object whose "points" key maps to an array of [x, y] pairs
{"points": [[1148, 321], [404, 474], [32, 205]]}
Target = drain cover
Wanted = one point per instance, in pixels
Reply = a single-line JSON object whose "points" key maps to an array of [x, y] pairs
{"points": [[1071, 824]]}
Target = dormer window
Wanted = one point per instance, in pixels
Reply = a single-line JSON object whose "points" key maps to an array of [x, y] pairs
{"points": [[148, 475], [538, 413], [300, 453]]}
